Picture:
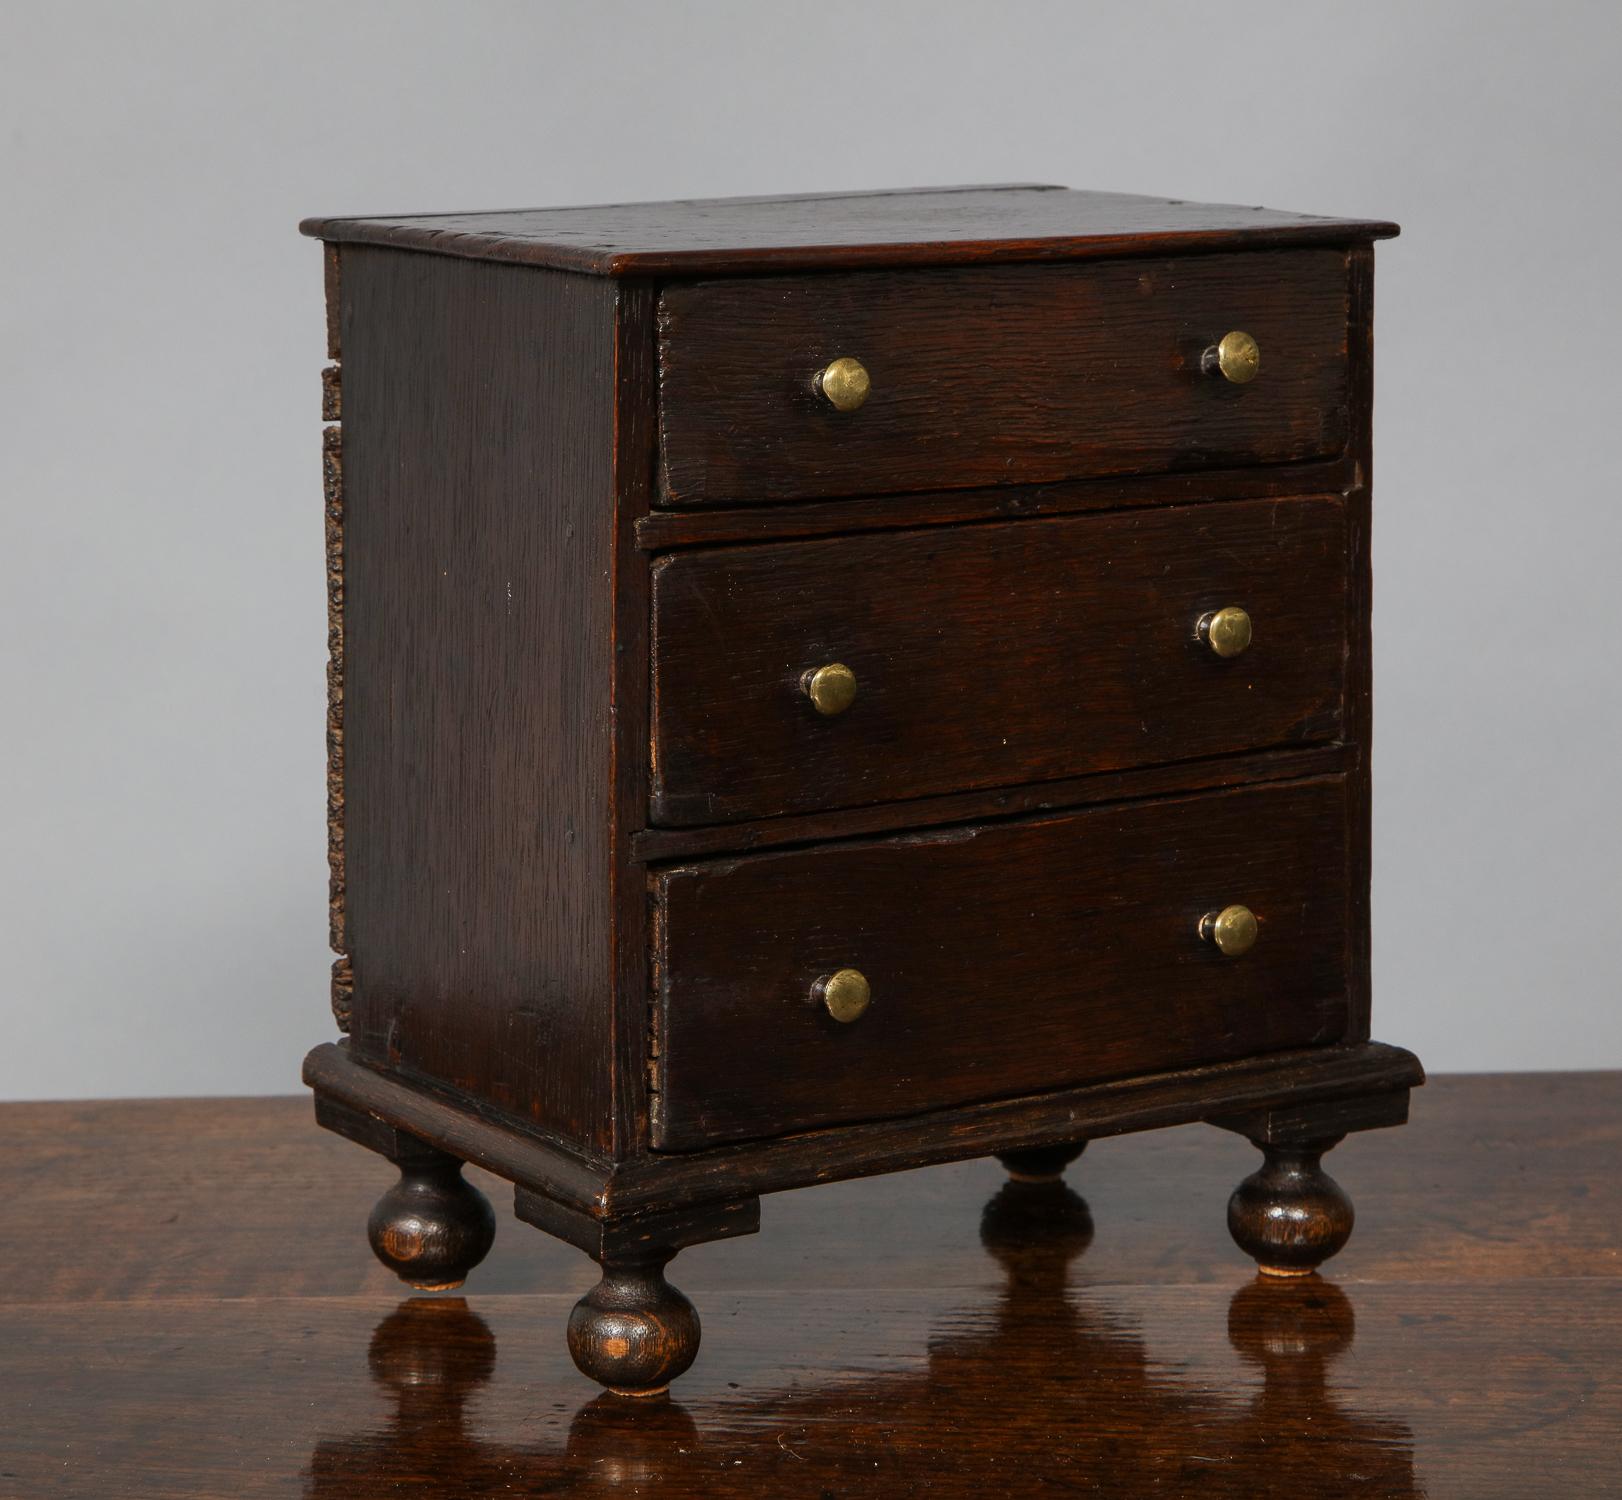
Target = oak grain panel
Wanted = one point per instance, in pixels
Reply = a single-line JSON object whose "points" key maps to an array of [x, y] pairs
{"points": [[711, 525], [478, 445], [652, 845]]}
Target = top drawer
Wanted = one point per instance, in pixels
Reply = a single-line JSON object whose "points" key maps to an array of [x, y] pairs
{"points": [[1005, 375]]}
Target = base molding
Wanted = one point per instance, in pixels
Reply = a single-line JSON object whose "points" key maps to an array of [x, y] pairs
{"points": [[1254, 1096], [628, 1236], [634, 1332]]}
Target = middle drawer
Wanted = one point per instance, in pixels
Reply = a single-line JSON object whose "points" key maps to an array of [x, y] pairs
{"points": [[990, 655]]}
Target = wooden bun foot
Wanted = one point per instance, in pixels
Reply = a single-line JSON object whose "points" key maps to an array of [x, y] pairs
{"points": [[1291, 1215], [633, 1332], [433, 1226], [1040, 1163]]}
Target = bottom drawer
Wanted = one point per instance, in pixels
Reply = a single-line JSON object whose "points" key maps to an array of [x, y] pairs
{"points": [[1000, 960]]}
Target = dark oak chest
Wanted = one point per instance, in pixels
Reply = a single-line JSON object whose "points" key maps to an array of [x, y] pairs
{"points": [[823, 686]]}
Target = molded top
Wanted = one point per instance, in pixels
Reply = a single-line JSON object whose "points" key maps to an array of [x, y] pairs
{"points": [[909, 227]]}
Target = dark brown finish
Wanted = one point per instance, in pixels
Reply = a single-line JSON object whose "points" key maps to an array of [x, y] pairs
{"points": [[1010, 375], [433, 1226], [927, 1334], [1358, 729], [669, 529], [633, 1331], [1307, 1120], [647, 1184], [544, 982], [479, 499], [916, 227], [635, 453], [1290, 1215], [1004, 959], [1040, 1163], [626, 1234], [655, 844], [1531, 1157], [990, 656]]}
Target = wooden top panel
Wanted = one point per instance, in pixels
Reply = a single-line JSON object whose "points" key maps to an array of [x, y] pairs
{"points": [[920, 227]]}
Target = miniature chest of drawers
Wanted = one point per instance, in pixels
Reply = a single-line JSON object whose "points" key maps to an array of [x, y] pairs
{"points": [[822, 686]]}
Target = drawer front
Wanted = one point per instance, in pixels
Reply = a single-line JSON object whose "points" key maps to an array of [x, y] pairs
{"points": [[1002, 960], [990, 655], [1010, 375]]}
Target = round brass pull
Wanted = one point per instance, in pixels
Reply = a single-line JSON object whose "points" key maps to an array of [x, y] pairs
{"points": [[846, 993], [1233, 930], [831, 689], [844, 384], [1226, 631], [1235, 356]]}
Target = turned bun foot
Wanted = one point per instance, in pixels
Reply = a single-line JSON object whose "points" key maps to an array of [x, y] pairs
{"points": [[1291, 1215], [433, 1226], [633, 1332], [1040, 1163]]}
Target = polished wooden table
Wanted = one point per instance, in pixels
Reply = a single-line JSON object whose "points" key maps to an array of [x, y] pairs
{"points": [[189, 1310]]}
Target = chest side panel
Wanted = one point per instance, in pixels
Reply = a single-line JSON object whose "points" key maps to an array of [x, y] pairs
{"points": [[478, 443]]}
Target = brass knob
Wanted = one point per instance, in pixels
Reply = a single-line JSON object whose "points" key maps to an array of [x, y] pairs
{"points": [[1235, 356], [1226, 631], [1233, 930], [831, 689], [844, 384], [846, 993]]}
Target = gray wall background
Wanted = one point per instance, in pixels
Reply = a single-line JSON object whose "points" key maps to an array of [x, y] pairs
{"points": [[163, 897]]}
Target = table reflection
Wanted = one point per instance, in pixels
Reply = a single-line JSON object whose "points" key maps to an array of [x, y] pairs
{"points": [[1045, 1387]]}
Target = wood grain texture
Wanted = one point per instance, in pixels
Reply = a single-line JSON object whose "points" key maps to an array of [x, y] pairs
{"points": [[660, 1184], [1359, 724], [706, 526], [1003, 959], [929, 1334], [1073, 1384], [635, 459], [1002, 375], [989, 656], [514, 699], [479, 493], [655, 844], [1496, 1179], [912, 227]]}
